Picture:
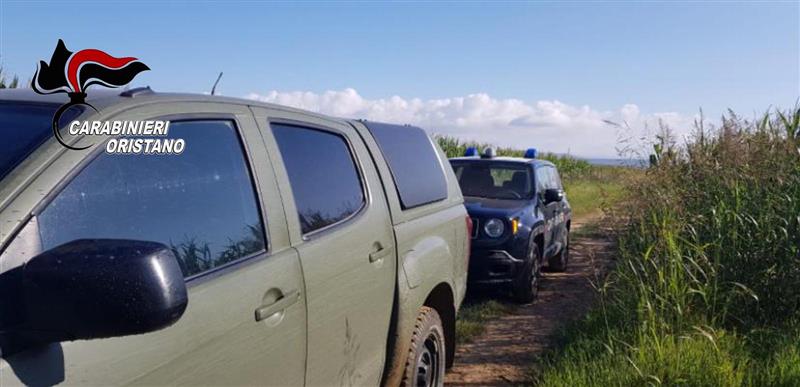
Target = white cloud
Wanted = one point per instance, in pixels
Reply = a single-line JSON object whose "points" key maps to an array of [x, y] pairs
{"points": [[551, 126]]}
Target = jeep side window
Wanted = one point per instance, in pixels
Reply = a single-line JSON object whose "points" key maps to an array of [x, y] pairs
{"points": [[542, 179], [200, 203], [552, 178], [325, 182], [556, 179]]}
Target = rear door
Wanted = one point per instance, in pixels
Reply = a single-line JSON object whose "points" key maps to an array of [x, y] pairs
{"points": [[339, 224], [217, 206]]}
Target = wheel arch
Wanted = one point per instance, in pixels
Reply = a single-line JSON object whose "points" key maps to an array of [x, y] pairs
{"points": [[441, 299], [537, 235]]}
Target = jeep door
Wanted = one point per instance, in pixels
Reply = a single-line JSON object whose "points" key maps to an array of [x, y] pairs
{"points": [[544, 181], [561, 209], [339, 223], [217, 206]]}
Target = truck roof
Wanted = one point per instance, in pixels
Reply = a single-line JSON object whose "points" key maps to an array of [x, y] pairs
{"points": [[101, 99]]}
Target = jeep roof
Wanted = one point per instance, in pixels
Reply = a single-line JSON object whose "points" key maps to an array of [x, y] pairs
{"points": [[523, 160]]}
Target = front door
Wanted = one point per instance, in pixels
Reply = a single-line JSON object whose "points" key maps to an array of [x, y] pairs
{"points": [[342, 231], [216, 205]]}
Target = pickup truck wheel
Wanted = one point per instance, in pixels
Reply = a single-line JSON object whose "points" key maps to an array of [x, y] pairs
{"points": [[559, 261], [426, 356], [527, 287]]}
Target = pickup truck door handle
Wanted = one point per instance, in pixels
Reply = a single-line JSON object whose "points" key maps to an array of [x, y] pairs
{"points": [[379, 253], [282, 303]]}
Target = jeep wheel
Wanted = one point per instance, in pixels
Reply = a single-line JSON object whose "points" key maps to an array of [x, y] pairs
{"points": [[426, 356], [559, 261], [527, 287]]}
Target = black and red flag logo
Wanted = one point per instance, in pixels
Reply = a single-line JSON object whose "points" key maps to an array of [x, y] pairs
{"points": [[73, 72]]}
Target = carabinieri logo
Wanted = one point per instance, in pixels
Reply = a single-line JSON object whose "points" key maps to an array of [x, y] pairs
{"points": [[73, 72]]}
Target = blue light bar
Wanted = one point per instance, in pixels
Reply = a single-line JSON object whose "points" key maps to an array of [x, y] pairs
{"points": [[471, 152], [530, 153]]}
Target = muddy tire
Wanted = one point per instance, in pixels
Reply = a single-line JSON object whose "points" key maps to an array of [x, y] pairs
{"points": [[560, 261], [427, 354], [526, 288]]}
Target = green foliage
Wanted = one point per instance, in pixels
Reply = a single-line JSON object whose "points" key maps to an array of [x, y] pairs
{"points": [[693, 359], [720, 217], [707, 287], [5, 84], [195, 256], [597, 189]]}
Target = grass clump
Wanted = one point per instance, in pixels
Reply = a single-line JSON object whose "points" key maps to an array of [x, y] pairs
{"points": [[707, 288], [474, 314], [669, 360]]}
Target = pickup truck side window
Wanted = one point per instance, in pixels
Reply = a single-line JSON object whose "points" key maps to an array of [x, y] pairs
{"points": [[325, 182], [415, 166], [200, 203]]}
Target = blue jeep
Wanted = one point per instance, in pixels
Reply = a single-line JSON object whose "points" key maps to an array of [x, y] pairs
{"points": [[521, 218]]}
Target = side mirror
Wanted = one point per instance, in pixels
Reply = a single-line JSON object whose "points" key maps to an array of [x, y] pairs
{"points": [[553, 195], [90, 289]]}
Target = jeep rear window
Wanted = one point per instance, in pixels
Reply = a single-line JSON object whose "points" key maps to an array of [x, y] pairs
{"points": [[495, 180], [413, 161], [23, 127]]}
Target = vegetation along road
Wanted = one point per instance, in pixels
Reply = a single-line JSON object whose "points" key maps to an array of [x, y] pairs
{"points": [[704, 286]]}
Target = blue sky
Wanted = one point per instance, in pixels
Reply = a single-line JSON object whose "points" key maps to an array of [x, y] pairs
{"points": [[529, 71]]}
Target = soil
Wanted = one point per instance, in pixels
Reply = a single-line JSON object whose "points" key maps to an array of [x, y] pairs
{"points": [[511, 345]]}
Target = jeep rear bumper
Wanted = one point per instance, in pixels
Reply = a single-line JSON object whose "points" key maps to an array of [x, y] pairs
{"points": [[493, 267]]}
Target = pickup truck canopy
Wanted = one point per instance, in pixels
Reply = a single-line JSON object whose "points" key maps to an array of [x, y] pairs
{"points": [[412, 160]]}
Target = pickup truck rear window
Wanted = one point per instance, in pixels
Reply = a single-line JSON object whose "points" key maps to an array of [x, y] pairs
{"points": [[322, 173], [413, 161]]}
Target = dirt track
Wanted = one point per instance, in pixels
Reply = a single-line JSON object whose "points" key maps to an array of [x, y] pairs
{"points": [[511, 345]]}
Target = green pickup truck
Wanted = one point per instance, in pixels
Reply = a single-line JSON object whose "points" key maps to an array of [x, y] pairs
{"points": [[278, 247]]}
